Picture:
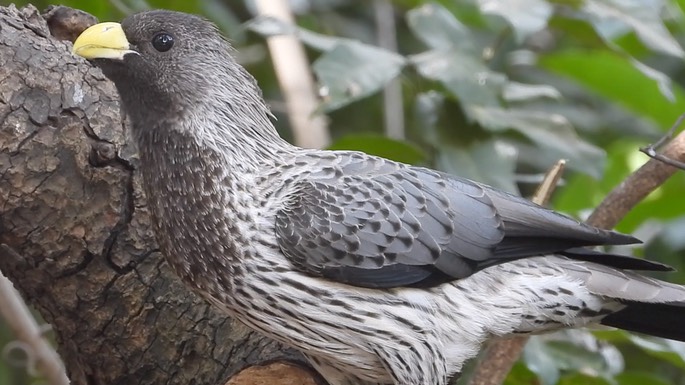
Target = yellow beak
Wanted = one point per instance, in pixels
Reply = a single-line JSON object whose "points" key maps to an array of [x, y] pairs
{"points": [[102, 41]]}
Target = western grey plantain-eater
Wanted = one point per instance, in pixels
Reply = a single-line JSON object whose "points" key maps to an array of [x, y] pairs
{"points": [[379, 272]]}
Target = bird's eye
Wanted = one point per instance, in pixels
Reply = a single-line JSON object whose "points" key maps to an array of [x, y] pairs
{"points": [[163, 41]]}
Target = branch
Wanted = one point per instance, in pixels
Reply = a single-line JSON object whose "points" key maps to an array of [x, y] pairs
{"points": [[651, 150], [499, 356], [637, 186], [40, 354], [493, 368], [296, 82], [386, 31]]}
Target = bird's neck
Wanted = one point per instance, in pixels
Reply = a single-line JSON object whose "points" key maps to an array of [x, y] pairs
{"points": [[243, 134], [199, 164], [198, 206], [221, 110]]}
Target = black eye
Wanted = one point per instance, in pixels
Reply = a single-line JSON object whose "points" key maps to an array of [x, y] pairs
{"points": [[163, 42]]}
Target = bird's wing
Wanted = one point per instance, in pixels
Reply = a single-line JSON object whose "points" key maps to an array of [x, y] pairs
{"points": [[375, 223]]}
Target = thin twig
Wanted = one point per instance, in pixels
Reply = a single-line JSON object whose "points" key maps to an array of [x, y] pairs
{"points": [[39, 352], [295, 79], [651, 150], [386, 32], [493, 368], [638, 185], [500, 355], [544, 191]]}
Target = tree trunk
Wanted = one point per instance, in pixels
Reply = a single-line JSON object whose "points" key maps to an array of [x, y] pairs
{"points": [[75, 232]]}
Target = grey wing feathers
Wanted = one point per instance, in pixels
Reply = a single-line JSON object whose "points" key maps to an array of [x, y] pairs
{"points": [[373, 222], [524, 219], [392, 221]]}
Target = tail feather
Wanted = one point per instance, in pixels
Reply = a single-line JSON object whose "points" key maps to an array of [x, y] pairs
{"points": [[625, 285], [652, 306], [666, 320]]}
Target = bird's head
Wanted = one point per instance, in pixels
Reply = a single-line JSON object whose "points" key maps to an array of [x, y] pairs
{"points": [[174, 66], [159, 59]]}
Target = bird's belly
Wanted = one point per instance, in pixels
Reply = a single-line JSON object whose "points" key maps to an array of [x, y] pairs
{"points": [[331, 350]]}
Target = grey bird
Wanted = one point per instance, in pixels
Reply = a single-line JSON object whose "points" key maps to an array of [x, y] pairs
{"points": [[379, 272]]}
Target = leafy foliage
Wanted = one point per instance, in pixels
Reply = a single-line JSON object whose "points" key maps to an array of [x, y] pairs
{"points": [[497, 91]]}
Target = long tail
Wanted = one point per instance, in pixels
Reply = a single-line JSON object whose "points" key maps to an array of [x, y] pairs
{"points": [[665, 320], [652, 306]]}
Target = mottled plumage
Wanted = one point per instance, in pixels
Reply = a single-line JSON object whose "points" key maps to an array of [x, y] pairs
{"points": [[379, 272]]}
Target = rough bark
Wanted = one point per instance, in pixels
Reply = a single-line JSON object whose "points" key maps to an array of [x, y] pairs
{"points": [[75, 233]]}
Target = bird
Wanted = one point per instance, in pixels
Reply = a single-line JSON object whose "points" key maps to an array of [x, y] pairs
{"points": [[379, 272]]}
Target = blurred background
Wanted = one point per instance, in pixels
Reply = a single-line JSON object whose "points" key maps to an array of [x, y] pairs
{"points": [[497, 91]]}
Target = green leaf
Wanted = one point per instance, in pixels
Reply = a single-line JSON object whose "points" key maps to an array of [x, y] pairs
{"points": [[225, 18], [464, 76], [576, 32], [541, 363], [427, 109], [664, 349], [582, 192], [673, 232], [519, 92], [525, 16], [381, 146], [616, 78], [353, 70], [454, 61], [520, 375], [662, 80], [571, 350], [644, 17], [550, 132], [269, 26], [489, 162], [438, 28], [177, 5], [640, 378], [664, 203], [582, 379]]}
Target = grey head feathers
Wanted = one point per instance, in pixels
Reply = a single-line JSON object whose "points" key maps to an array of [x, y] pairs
{"points": [[195, 86]]}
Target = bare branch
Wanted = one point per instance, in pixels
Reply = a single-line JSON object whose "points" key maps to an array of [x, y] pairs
{"points": [[651, 150], [500, 355], [638, 185], [287, 373], [393, 110], [295, 79], [26, 329], [549, 183]]}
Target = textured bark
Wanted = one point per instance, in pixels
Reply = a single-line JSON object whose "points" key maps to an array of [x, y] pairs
{"points": [[75, 233]]}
